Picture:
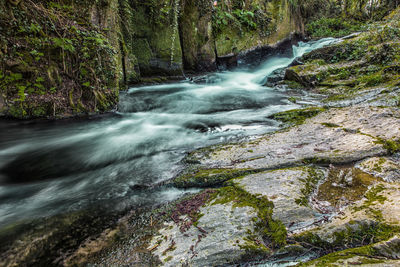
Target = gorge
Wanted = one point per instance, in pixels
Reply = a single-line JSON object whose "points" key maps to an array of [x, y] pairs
{"points": [[182, 133]]}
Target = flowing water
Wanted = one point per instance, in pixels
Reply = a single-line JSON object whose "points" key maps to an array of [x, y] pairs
{"points": [[49, 168]]}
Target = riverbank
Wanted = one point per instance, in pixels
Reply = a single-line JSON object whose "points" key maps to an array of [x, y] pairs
{"points": [[325, 187]]}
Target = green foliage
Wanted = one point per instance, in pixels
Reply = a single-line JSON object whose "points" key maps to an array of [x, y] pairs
{"points": [[332, 27], [50, 44], [63, 43], [245, 18], [239, 19]]}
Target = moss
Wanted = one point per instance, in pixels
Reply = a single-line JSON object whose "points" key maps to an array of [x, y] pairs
{"points": [[297, 116], [372, 198], [316, 161], [330, 125], [335, 188], [314, 175], [167, 259], [272, 230], [378, 165], [209, 177], [54, 50], [367, 252], [391, 146], [355, 234], [294, 84]]}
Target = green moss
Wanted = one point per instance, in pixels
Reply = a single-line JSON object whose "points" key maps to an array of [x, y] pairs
{"points": [[209, 177], [167, 259], [297, 116], [310, 184], [392, 146], [378, 165], [51, 58], [372, 79], [353, 191], [372, 198], [355, 234], [330, 125], [294, 84], [367, 252], [273, 230]]}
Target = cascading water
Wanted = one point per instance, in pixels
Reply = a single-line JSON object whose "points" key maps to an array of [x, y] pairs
{"points": [[55, 167]]}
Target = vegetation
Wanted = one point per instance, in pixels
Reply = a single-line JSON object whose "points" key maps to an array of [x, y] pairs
{"points": [[332, 27], [296, 116], [55, 60], [272, 230]]}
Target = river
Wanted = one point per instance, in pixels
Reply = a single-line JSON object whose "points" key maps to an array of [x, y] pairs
{"points": [[49, 168]]}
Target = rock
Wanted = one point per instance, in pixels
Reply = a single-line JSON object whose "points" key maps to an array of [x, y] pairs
{"points": [[382, 254], [253, 56], [389, 249], [388, 168], [368, 220], [2, 105], [215, 241], [275, 77], [314, 141], [217, 227], [293, 74], [284, 188]]}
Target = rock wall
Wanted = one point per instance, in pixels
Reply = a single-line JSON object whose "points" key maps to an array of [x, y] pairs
{"points": [[241, 25], [59, 59], [65, 58]]}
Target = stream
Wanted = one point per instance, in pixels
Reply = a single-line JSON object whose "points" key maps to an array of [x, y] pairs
{"points": [[49, 168]]}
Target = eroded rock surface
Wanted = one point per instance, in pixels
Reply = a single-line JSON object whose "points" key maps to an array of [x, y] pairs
{"points": [[216, 239], [324, 138]]}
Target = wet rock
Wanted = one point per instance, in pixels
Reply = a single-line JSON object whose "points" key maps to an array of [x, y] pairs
{"points": [[275, 77], [256, 55], [315, 141], [293, 74], [49, 241]]}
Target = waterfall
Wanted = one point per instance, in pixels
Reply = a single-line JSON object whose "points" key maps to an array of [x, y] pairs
{"points": [[175, 28]]}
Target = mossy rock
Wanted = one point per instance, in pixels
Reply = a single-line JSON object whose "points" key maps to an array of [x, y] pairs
{"points": [[297, 116]]}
